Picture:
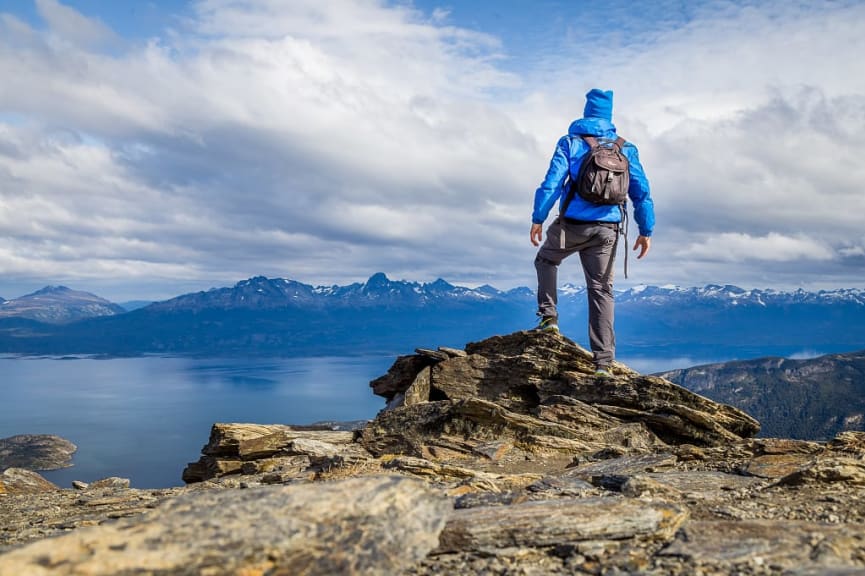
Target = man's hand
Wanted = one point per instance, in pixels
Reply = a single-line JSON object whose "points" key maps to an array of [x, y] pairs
{"points": [[643, 243], [537, 234]]}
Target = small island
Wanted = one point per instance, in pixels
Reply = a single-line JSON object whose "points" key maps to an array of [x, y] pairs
{"points": [[36, 452]]}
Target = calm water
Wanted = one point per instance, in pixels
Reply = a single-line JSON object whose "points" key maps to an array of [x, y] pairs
{"points": [[145, 418]]}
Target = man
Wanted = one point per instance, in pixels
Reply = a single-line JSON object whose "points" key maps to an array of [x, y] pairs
{"points": [[590, 229]]}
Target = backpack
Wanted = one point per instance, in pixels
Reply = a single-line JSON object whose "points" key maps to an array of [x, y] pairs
{"points": [[603, 177]]}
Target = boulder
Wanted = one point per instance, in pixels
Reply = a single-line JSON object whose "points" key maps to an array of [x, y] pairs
{"points": [[232, 447], [111, 482], [18, 481], [828, 470]]}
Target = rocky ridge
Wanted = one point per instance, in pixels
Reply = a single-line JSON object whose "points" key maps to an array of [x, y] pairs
{"points": [[506, 457]]}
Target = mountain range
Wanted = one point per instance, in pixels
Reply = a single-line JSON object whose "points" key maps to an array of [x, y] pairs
{"points": [[809, 399], [285, 317]]}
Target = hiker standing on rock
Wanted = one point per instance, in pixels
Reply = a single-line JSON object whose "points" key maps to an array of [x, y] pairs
{"points": [[593, 172]]}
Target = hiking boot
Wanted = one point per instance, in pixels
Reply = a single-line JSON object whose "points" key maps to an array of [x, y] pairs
{"points": [[548, 324], [603, 372]]}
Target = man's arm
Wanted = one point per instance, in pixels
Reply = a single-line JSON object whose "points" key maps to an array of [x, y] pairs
{"points": [[639, 193], [551, 188]]}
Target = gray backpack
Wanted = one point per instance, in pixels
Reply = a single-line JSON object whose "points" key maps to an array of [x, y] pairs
{"points": [[603, 177]]}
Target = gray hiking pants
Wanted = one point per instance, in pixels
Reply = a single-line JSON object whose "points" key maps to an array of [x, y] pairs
{"points": [[597, 247]]}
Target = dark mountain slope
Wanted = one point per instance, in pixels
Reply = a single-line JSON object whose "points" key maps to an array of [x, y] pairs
{"points": [[809, 399]]}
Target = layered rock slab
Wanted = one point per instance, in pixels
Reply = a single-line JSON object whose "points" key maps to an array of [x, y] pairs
{"points": [[778, 544], [372, 525], [257, 448], [553, 522]]}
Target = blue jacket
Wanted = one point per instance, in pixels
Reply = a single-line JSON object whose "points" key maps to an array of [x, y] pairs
{"points": [[567, 158]]}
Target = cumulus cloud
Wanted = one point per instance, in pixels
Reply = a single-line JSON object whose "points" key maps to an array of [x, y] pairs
{"points": [[327, 140], [774, 247]]}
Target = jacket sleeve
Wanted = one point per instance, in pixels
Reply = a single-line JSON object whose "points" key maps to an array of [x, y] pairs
{"points": [[640, 194], [551, 188]]}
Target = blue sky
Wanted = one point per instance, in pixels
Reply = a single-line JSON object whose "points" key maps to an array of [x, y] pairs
{"points": [[153, 148]]}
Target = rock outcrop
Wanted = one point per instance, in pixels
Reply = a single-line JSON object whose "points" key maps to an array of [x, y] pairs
{"points": [[272, 449], [532, 393], [508, 457], [23, 481]]}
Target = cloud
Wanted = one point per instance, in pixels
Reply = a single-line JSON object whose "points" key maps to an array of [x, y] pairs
{"points": [[327, 140], [853, 251], [773, 247], [71, 26]]}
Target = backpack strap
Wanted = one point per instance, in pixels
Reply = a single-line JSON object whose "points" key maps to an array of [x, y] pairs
{"points": [[569, 182], [625, 233], [619, 142], [592, 142]]}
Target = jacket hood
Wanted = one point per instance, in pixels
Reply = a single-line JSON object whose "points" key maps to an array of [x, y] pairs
{"points": [[591, 127]]}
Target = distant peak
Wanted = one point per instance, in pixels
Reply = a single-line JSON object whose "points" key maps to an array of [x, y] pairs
{"points": [[52, 290], [440, 283], [253, 281], [487, 289], [378, 279]]}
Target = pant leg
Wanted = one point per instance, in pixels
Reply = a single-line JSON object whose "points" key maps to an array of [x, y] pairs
{"points": [[598, 259], [550, 255]]}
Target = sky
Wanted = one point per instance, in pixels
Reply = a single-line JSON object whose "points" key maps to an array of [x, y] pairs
{"points": [[149, 149]]}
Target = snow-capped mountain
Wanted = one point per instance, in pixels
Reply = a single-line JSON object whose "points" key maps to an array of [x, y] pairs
{"points": [[266, 293], [379, 290], [735, 296], [58, 304]]}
